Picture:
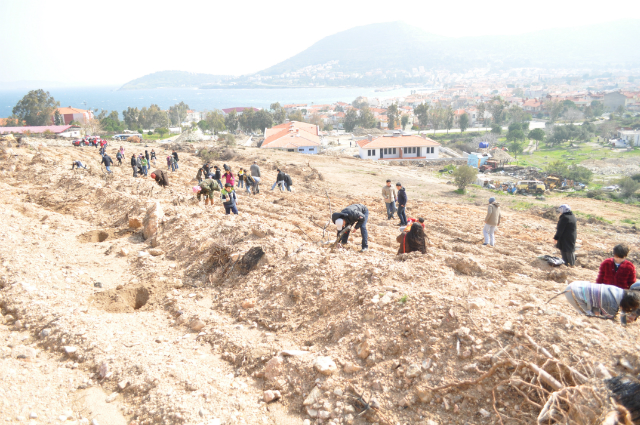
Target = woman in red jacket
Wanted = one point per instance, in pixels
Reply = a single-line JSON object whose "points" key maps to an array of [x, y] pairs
{"points": [[617, 271]]}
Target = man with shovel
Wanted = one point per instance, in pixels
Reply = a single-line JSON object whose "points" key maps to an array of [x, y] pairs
{"points": [[352, 218]]}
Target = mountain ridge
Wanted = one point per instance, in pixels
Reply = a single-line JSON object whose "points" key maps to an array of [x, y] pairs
{"points": [[173, 79]]}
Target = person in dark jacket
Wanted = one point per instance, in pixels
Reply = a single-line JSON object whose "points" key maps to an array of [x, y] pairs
{"points": [[255, 173], [279, 181], [229, 199], [175, 157], [107, 161], [566, 234], [161, 178], [617, 271], [119, 158], [134, 165], [153, 157], [217, 176], [146, 155], [357, 216], [413, 240], [402, 204]]}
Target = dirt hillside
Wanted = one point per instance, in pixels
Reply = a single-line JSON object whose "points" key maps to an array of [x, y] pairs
{"points": [[123, 302]]}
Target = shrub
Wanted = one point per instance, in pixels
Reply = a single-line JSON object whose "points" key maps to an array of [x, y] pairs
{"points": [[596, 194], [580, 174], [463, 176], [636, 177], [628, 186]]}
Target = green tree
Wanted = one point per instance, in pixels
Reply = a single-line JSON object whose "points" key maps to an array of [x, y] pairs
{"points": [[130, 117], [514, 135], [448, 119], [247, 120], [404, 121], [178, 113], [215, 121], [13, 121], [231, 121], [262, 120], [496, 129], [537, 134], [58, 119], [366, 118], [350, 120], [296, 116], [436, 117], [328, 127], [608, 129], [111, 123], [579, 174], [516, 114], [359, 102], [464, 122], [496, 107], [392, 116], [554, 108], [279, 114], [597, 107], [481, 108], [464, 175], [152, 117], [558, 168], [162, 131], [516, 147], [36, 108], [628, 186], [422, 112]]}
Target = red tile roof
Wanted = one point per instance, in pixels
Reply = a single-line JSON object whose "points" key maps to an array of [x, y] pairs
{"points": [[56, 129]]}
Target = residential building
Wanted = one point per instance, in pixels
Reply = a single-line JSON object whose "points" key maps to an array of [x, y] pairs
{"points": [[60, 130], [73, 114], [293, 136], [630, 137], [193, 116], [613, 100], [398, 147], [532, 105]]}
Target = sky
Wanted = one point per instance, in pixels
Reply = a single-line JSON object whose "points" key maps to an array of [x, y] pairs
{"points": [[112, 42]]}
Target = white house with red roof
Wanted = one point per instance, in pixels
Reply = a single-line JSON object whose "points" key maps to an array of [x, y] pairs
{"points": [[73, 114], [398, 147], [293, 136]]}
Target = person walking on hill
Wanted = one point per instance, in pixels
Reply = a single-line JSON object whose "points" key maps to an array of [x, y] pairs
{"points": [[617, 271], [169, 162], [146, 155], [402, 204], [389, 196], [250, 183], [491, 222], [255, 173], [279, 181], [229, 199], [107, 161], [289, 182], [153, 157], [119, 158], [145, 165], [175, 157], [122, 151], [134, 165], [161, 178], [355, 215], [413, 240], [228, 178], [217, 176], [566, 234], [206, 189], [240, 178]]}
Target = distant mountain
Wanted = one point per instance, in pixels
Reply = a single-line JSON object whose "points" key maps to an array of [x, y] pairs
{"points": [[396, 45], [173, 79]]}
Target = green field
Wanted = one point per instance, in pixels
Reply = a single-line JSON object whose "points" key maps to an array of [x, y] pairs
{"points": [[585, 151]]}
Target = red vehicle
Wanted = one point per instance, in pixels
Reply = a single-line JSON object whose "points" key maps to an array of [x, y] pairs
{"points": [[81, 142]]}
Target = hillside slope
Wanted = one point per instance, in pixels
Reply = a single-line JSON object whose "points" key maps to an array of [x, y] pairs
{"points": [[172, 79]]}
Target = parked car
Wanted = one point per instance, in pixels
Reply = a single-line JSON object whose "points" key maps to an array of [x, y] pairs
{"points": [[613, 188], [80, 142]]}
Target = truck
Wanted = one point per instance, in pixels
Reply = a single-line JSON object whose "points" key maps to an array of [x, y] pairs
{"points": [[530, 186], [488, 166]]}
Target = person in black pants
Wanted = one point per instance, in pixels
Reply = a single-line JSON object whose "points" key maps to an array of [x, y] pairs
{"points": [[566, 234], [134, 165], [357, 216], [402, 204]]}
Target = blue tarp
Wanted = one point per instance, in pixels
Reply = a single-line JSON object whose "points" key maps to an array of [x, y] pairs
{"points": [[484, 145]]}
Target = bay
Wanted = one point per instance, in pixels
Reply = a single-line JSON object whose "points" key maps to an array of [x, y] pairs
{"points": [[110, 98]]}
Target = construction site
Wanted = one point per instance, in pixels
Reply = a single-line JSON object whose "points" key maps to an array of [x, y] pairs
{"points": [[126, 303]]}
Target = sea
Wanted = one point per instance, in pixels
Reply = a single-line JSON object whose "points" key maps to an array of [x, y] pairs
{"points": [[112, 99]]}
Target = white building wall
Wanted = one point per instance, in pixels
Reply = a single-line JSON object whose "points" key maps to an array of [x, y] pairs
{"points": [[364, 153]]}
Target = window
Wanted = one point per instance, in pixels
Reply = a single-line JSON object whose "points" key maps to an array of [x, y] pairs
{"points": [[291, 150], [404, 150], [414, 150], [311, 149], [301, 150], [385, 151], [394, 151]]}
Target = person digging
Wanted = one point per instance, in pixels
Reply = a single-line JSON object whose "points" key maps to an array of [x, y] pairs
{"points": [[206, 189], [161, 178], [352, 218]]}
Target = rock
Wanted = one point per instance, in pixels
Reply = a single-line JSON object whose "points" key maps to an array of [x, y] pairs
{"points": [[325, 365], [197, 325], [484, 413], [477, 303], [97, 284], [306, 422], [143, 254], [33, 415], [103, 370], [246, 304], [464, 265], [626, 364], [313, 397], [294, 353], [152, 218], [112, 397], [123, 252], [23, 352], [253, 259], [94, 422], [135, 223], [424, 395], [602, 371], [69, 350], [413, 370], [123, 384], [465, 354], [386, 299], [323, 414], [270, 396], [312, 412], [528, 306], [559, 276], [273, 368], [351, 367], [363, 350], [181, 319], [45, 333], [156, 252], [258, 232], [508, 327]]}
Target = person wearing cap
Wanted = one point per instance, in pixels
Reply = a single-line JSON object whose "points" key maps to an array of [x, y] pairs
{"points": [[402, 204], [389, 195], [161, 178], [229, 199], [255, 173], [357, 216], [206, 189], [566, 234], [491, 221]]}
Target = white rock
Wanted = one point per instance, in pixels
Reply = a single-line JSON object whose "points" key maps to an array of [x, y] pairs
{"points": [[386, 299], [270, 396], [413, 370], [484, 413], [325, 365], [151, 220], [313, 397], [112, 397], [70, 350], [156, 252], [477, 303], [33, 415], [508, 327]]}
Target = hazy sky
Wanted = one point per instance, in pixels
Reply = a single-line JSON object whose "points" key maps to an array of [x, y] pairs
{"points": [[112, 42]]}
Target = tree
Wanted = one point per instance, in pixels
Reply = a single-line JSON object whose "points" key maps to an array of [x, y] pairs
{"points": [[392, 116], [350, 120], [628, 186], [247, 120], [328, 127], [516, 147], [496, 129], [514, 135], [91, 126], [130, 117], [359, 102], [13, 121], [58, 119], [608, 129], [496, 107], [516, 113], [404, 121], [152, 117], [436, 117], [580, 174], [464, 175], [537, 134], [231, 121], [279, 113], [36, 108], [366, 119], [316, 120], [553, 108], [572, 115], [162, 131], [558, 168], [178, 113], [448, 119], [296, 116], [215, 121], [464, 122], [262, 120], [422, 112], [481, 109], [597, 107]]}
